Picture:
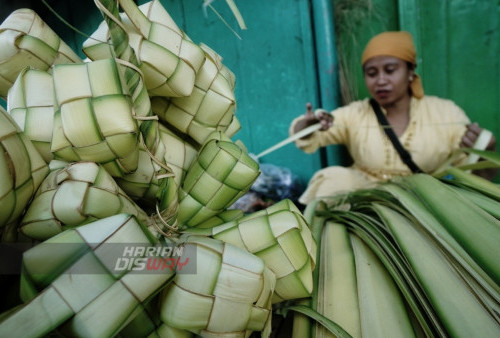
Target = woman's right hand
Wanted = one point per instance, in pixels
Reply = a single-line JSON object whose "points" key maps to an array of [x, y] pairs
{"points": [[321, 116], [312, 117]]}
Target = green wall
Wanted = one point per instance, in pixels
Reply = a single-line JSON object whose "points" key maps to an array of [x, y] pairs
{"points": [[459, 44]]}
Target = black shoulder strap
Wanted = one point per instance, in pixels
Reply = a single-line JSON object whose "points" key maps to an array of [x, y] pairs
{"points": [[405, 155]]}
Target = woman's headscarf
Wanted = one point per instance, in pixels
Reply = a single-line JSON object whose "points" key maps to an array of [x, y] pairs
{"points": [[397, 44]]}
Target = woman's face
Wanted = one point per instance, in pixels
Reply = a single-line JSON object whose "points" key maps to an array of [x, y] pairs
{"points": [[387, 79]]}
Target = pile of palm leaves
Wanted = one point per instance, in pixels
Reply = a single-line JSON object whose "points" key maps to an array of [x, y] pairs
{"points": [[417, 256]]}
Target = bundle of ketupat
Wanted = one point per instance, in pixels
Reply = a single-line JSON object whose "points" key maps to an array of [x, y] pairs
{"points": [[161, 47], [167, 57], [28, 41], [74, 292], [79, 112], [22, 170], [71, 282], [281, 237], [93, 118], [230, 293], [210, 106], [92, 166], [221, 173], [31, 105], [75, 194]]}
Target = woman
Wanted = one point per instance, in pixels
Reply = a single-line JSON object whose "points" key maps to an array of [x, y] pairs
{"points": [[428, 127]]}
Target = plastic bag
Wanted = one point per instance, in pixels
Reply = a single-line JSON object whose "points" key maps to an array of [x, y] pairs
{"points": [[274, 184], [277, 183]]}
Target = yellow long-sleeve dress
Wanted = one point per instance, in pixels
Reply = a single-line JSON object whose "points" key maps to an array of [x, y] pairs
{"points": [[434, 131]]}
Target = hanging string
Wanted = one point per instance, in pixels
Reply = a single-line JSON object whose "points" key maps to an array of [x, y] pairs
{"points": [[172, 230]]}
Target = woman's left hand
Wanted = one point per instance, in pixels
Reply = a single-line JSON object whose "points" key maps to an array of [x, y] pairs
{"points": [[471, 135], [468, 140]]}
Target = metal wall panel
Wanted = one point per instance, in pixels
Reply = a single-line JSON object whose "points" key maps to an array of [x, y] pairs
{"points": [[274, 64], [459, 44]]}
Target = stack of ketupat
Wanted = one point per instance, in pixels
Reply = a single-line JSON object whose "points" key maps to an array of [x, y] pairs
{"points": [[119, 171], [106, 165]]}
